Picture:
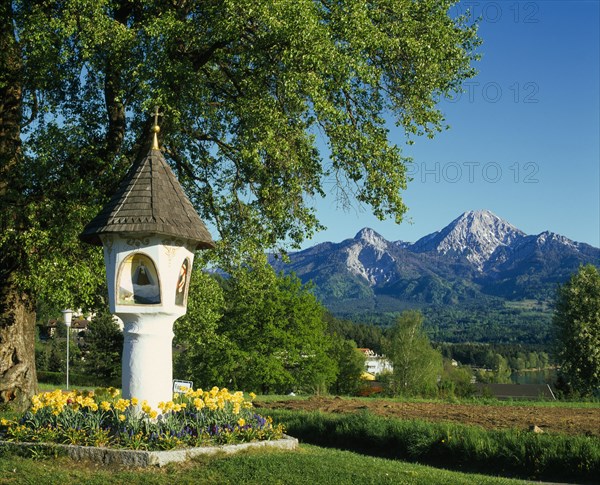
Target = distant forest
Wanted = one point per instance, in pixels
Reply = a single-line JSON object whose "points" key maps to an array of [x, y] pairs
{"points": [[486, 320], [483, 354]]}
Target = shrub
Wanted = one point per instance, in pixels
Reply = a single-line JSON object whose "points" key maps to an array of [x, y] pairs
{"points": [[453, 446], [59, 378]]}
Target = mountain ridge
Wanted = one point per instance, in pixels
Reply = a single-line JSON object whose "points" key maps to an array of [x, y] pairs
{"points": [[477, 254]]}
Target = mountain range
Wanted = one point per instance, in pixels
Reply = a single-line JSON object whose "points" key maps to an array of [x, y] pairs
{"points": [[477, 256]]}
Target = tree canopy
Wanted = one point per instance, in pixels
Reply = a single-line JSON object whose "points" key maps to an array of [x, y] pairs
{"points": [[417, 366], [577, 325], [257, 331], [103, 348], [248, 89]]}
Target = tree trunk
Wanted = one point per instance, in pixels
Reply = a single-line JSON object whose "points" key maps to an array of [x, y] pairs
{"points": [[18, 379]]}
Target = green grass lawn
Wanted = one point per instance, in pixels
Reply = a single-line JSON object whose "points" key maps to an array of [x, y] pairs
{"points": [[307, 465], [43, 387]]}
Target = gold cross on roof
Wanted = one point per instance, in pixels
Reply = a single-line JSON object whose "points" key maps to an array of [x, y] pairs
{"points": [[156, 128]]}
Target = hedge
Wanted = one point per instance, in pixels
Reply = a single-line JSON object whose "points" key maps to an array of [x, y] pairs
{"points": [[515, 453]]}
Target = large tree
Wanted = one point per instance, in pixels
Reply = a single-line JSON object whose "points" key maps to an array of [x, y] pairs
{"points": [[246, 88], [417, 366], [577, 326], [103, 349], [260, 331]]}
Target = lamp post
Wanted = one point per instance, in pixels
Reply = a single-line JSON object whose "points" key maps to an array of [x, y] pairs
{"points": [[67, 316]]}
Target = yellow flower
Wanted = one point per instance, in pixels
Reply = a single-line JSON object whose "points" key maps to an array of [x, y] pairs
{"points": [[241, 422], [122, 404], [153, 414], [4, 422], [134, 401], [105, 405], [252, 396], [198, 403], [121, 417]]}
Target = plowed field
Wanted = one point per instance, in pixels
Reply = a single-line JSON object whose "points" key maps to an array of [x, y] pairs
{"points": [[549, 419]]}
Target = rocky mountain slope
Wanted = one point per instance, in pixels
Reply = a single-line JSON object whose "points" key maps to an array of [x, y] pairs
{"points": [[477, 255]]}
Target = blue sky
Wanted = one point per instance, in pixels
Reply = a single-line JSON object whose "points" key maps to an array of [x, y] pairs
{"points": [[524, 137]]}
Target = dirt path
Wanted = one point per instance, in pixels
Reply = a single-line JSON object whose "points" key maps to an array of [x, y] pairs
{"points": [[550, 419]]}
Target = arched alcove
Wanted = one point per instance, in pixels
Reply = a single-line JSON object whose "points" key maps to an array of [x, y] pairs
{"points": [[137, 281]]}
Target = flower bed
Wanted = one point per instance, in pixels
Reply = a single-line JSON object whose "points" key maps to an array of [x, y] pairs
{"points": [[139, 458], [103, 419]]}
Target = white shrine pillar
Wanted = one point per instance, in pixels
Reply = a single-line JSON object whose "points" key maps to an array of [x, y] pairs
{"points": [[147, 358], [149, 231], [148, 280]]}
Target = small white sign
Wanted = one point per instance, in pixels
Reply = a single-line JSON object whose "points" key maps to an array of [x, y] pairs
{"points": [[182, 386]]}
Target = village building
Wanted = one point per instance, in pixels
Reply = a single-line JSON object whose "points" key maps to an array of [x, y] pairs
{"points": [[376, 364], [79, 327]]}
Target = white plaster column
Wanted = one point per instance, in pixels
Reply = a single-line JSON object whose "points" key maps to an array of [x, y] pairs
{"points": [[147, 357]]}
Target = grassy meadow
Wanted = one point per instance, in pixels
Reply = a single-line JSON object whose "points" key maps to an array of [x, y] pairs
{"points": [[358, 448], [308, 465], [461, 447]]}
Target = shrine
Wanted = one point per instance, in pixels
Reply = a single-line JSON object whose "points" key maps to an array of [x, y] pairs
{"points": [[149, 231]]}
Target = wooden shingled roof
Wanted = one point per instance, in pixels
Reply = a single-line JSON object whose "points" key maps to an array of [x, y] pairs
{"points": [[149, 200]]}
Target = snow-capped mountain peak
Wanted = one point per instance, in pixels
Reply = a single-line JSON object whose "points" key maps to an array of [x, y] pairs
{"points": [[547, 237], [367, 256], [475, 255], [474, 235], [372, 238]]}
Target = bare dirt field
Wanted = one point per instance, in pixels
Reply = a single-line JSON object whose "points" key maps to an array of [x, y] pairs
{"points": [[549, 419]]}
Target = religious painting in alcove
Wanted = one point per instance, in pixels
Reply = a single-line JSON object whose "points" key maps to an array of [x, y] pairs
{"points": [[138, 281], [182, 283]]}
